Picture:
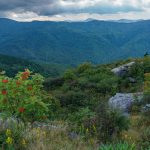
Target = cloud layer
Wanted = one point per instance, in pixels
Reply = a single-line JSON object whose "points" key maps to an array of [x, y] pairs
{"points": [[59, 9]]}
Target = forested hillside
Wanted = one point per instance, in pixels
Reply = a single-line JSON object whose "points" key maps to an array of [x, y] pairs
{"points": [[88, 84], [12, 65], [74, 42]]}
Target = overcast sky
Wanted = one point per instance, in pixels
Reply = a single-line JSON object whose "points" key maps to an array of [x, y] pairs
{"points": [[59, 10]]}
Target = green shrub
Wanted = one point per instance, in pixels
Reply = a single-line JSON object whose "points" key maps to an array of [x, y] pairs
{"points": [[110, 123], [81, 115], [23, 97], [81, 122], [72, 99], [146, 64], [69, 75], [119, 146]]}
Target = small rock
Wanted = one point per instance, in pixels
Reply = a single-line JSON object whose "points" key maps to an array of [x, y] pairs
{"points": [[146, 108], [132, 80], [73, 135]]}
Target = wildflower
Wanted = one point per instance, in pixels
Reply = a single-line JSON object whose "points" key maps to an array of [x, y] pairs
{"points": [[23, 142], [25, 75], [43, 117], [21, 109], [8, 132], [87, 130], [38, 130], [4, 81], [4, 92], [44, 133], [18, 83], [9, 140], [15, 91], [38, 135], [29, 88], [4, 101], [94, 128]]}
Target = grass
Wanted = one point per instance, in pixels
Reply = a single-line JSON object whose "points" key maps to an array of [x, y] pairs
{"points": [[57, 139]]}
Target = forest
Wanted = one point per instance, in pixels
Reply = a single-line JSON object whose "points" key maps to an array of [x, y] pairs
{"points": [[72, 43]]}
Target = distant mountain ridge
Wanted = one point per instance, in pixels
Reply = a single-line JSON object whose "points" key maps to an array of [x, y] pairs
{"points": [[118, 21], [127, 21], [72, 43]]}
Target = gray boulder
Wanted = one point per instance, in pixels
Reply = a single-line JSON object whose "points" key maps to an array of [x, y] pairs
{"points": [[121, 101], [122, 70], [124, 101]]}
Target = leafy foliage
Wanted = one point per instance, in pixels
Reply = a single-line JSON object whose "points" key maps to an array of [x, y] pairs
{"points": [[83, 86], [110, 123], [23, 97]]}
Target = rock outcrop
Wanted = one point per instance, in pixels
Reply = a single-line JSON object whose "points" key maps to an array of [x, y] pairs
{"points": [[122, 70]]}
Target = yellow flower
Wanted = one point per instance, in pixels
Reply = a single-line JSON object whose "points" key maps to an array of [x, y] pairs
{"points": [[38, 130], [8, 132], [9, 140], [44, 133], [125, 135], [94, 128], [23, 142], [87, 130]]}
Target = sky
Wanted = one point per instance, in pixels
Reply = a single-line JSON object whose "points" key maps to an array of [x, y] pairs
{"points": [[74, 10]]}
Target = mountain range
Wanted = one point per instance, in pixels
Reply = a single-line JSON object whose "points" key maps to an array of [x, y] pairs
{"points": [[71, 43]]}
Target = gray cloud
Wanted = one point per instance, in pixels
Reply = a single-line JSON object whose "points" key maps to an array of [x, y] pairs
{"points": [[36, 6], [55, 7], [49, 7]]}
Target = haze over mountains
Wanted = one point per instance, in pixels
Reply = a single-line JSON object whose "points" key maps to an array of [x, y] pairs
{"points": [[74, 42]]}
